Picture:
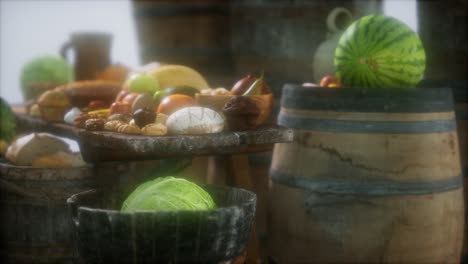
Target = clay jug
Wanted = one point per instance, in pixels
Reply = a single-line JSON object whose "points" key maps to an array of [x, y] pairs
{"points": [[337, 21]]}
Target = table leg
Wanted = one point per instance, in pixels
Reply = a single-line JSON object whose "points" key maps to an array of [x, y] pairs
{"points": [[236, 171]]}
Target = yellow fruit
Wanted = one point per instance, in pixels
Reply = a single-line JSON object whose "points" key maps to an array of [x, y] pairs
{"points": [[3, 147], [178, 75], [114, 72], [101, 112]]}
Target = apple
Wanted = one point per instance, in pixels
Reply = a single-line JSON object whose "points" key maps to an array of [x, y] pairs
{"points": [[130, 98], [120, 108], [142, 83], [121, 95], [330, 81], [241, 86], [97, 104]]}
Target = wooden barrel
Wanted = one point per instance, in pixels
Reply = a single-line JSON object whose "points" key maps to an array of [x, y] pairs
{"points": [[106, 235], [460, 97], [35, 224], [442, 28], [372, 176], [281, 37], [192, 33]]}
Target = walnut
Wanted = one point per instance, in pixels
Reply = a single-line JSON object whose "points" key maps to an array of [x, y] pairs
{"points": [[129, 129], [206, 91], [154, 129], [220, 91], [113, 125], [121, 117], [161, 118], [80, 120], [95, 124], [216, 91]]}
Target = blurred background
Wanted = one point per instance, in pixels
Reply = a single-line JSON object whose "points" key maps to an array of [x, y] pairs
{"points": [[279, 37]]}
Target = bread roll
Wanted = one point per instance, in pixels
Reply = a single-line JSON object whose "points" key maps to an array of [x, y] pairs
{"points": [[59, 160], [24, 150]]}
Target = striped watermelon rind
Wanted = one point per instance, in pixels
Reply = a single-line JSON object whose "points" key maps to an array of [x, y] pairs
{"points": [[379, 51]]}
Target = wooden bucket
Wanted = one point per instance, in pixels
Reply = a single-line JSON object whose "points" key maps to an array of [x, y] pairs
{"points": [[106, 235], [372, 176], [35, 224], [192, 33]]}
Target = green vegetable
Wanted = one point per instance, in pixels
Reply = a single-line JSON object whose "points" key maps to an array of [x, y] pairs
{"points": [[45, 69], [7, 121], [168, 194], [379, 51]]}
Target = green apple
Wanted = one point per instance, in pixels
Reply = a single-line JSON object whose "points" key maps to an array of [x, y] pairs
{"points": [[158, 96], [142, 83]]}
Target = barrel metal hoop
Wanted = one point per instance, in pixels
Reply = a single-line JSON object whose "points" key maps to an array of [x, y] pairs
{"points": [[367, 188], [358, 126], [384, 100]]}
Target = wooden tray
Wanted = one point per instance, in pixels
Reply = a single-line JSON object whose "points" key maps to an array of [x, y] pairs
{"points": [[14, 172], [26, 123], [111, 146]]}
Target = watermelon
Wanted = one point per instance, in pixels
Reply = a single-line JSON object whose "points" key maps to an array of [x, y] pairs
{"points": [[379, 51]]}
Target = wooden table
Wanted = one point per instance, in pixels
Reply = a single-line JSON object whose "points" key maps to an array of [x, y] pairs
{"points": [[228, 161]]}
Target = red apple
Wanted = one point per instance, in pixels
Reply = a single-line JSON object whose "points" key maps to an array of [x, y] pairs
{"points": [[120, 108], [121, 95], [130, 98], [330, 81], [97, 104], [241, 86]]}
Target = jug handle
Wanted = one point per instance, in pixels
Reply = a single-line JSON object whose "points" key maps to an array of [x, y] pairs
{"points": [[332, 16], [64, 48]]}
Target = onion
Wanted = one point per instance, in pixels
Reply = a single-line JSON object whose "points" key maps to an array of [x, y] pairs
{"points": [[241, 86]]}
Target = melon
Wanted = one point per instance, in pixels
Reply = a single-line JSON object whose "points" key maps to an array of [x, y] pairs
{"points": [[379, 51]]}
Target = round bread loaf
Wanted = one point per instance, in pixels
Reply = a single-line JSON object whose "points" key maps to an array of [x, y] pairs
{"points": [[195, 120]]}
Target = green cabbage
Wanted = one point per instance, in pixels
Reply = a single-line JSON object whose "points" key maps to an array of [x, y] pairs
{"points": [[7, 121], [46, 69], [168, 194]]}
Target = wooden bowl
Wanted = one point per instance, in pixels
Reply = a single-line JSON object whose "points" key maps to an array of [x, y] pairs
{"points": [[83, 92], [216, 102]]}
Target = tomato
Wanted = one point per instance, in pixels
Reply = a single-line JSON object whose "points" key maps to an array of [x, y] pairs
{"points": [[174, 102]]}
